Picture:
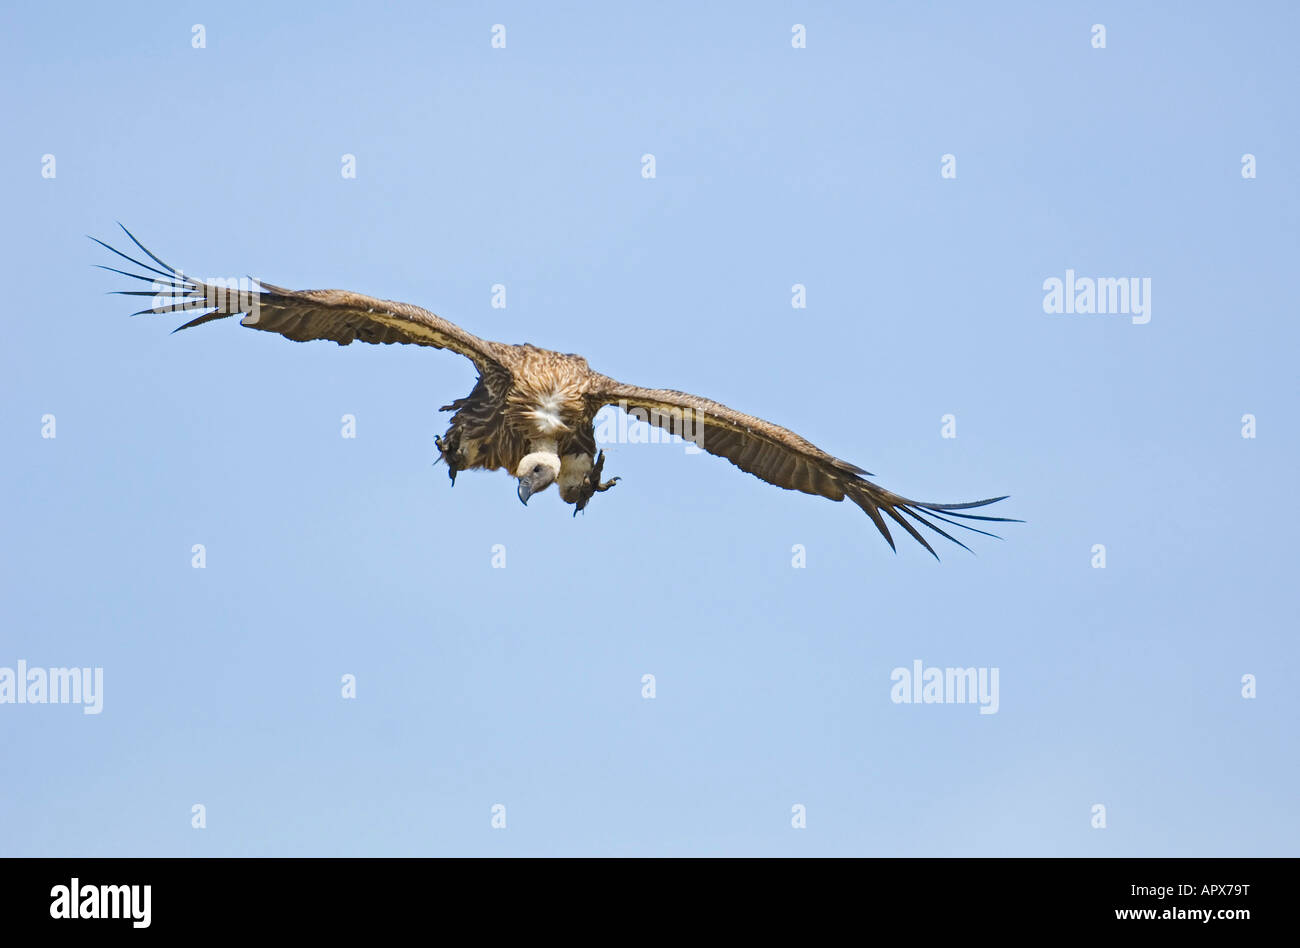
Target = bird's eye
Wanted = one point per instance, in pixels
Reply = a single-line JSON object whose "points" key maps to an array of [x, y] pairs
{"points": [[537, 469]]}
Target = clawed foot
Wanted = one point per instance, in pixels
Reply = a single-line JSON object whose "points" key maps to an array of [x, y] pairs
{"points": [[592, 484], [444, 454]]}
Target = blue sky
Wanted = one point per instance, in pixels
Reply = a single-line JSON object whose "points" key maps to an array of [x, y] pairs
{"points": [[522, 686]]}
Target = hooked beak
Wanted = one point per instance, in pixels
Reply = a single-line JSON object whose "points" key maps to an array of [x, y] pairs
{"points": [[525, 490]]}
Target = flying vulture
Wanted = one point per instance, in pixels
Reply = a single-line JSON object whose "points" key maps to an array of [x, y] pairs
{"points": [[531, 411]]}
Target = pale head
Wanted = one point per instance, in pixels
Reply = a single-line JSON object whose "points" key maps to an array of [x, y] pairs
{"points": [[536, 472]]}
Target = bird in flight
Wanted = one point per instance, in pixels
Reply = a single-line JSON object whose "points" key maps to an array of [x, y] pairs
{"points": [[531, 411]]}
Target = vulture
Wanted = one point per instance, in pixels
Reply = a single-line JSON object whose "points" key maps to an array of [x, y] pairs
{"points": [[531, 411]]}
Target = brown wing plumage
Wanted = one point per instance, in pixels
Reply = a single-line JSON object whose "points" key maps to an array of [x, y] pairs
{"points": [[770, 452], [302, 315], [781, 457]]}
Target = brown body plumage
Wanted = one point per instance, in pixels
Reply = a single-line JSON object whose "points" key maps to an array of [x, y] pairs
{"points": [[532, 410]]}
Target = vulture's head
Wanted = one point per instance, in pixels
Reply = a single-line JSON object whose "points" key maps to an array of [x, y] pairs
{"points": [[536, 472]]}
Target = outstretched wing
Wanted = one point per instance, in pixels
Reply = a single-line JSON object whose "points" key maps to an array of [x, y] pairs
{"points": [[781, 457], [300, 315]]}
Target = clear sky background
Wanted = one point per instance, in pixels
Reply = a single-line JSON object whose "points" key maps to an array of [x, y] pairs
{"points": [[522, 686]]}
